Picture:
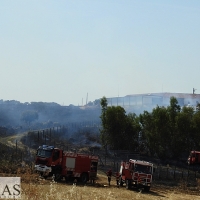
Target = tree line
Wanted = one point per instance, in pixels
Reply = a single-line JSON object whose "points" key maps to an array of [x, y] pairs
{"points": [[165, 132]]}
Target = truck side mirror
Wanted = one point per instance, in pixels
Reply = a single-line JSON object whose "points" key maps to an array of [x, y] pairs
{"points": [[154, 170]]}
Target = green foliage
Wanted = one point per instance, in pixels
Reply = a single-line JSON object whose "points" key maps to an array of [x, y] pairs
{"points": [[185, 130], [147, 132], [115, 126], [173, 110], [103, 131], [196, 130], [119, 131], [132, 131], [166, 132], [198, 107]]}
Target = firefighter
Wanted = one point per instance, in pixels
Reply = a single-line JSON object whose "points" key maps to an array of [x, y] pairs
{"points": [[109, 174], [117, 179]]}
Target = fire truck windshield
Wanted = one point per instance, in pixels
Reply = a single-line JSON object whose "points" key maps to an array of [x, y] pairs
{"points": [[143, 169], [192, 155], [44, 153]]}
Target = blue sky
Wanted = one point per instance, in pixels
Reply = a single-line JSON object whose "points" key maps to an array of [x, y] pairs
{"points": [[60, 51]]}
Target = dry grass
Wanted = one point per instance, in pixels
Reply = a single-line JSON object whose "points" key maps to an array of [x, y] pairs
{"points": [[33, 188]]}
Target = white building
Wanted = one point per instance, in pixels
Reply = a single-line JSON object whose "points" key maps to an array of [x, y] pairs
{"points": [[154, 99]]}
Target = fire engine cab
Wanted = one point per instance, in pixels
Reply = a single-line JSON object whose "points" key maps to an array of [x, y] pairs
{"points": [[54, 161], [194, 158], [136, 173]]}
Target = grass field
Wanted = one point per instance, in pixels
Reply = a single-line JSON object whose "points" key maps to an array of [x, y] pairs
{"points": [[34, 187]]}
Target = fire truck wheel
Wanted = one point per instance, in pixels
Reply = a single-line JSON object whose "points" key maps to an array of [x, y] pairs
{"points": [[128, 185], [57, 176], [42, 175], [146, 188], [66, 179], [84, 177]]}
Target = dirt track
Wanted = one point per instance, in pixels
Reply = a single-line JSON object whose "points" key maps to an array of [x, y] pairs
{"points": [[11, 140]]}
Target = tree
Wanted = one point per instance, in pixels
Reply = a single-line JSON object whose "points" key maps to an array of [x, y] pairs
{"points": [[115, 126], [29, 116], [165, 132], [196, 126], [173, 111], [185, 130], [147, 137], [160, 121], [198, 107], [103, 130], [159, 130], [119, 131], [132, 133]]}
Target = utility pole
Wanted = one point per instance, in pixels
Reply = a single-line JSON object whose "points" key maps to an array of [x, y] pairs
{"points": [[86, 98], [194, 90]]}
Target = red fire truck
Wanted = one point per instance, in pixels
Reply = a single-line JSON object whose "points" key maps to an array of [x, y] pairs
{"points": [[136, 173], [194, 158], [53, 161]]}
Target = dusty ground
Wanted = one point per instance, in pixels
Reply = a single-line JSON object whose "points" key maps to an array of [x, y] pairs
{"points": [[160, 190], [36, 188], [33, 187]]}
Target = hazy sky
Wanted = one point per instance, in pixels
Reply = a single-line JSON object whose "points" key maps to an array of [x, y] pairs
{"points": [[60, 51]]}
